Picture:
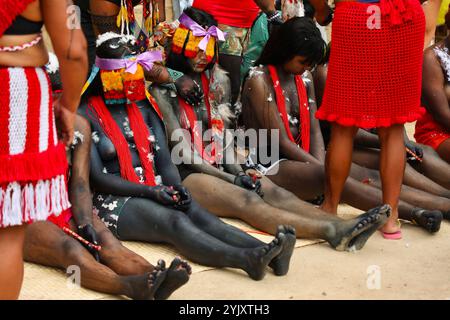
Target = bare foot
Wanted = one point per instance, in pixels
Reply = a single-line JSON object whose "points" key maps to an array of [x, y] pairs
{"points": [[177, 275], [144, 287], [280, 264], [259, 258], [354, 233], [429, 220]]}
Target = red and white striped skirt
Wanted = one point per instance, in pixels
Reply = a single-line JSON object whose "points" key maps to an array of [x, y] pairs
{"points": [[33, 163]]}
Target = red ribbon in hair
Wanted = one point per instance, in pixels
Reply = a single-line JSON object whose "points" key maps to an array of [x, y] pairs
{"points": [[305, 121], [141, 138], [195, 129]]}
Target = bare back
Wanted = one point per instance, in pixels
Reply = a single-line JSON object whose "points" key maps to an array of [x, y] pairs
{"points": [[31, 57]]}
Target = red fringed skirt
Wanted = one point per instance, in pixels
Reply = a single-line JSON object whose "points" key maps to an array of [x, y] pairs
{"points": [[374, 74], [33, 164]]}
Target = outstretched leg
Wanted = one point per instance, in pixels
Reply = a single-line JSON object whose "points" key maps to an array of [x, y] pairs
{"points": [[227, 200], [231, 201], [434, 167], [369, 159], [116, 256], [416, 197], [293, 175], [127, 263], [145, 220], [232, 235], [342, 234], [48, 245]]}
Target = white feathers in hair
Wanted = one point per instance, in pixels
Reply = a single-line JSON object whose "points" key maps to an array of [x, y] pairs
{"points": [[226, 113], [52, 65], [112, 35]]}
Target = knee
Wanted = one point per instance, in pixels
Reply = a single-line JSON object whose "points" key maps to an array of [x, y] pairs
{"points": [[278, 193], [427, 150], [177, 221], [125, 262], [73, 252], [343, 132], [395, 131], [251, 199]]}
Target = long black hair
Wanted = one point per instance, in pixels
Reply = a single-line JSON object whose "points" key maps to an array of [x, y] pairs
{"points": [[296, 37], [179, 61]]}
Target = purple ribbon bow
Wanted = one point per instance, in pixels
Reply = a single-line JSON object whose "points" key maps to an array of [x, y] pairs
{"points": [[145, 59], [199, 31]]}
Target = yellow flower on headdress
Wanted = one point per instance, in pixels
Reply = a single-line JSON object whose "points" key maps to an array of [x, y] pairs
{"points": [[112, 80], [191, 48], [139, 75]]}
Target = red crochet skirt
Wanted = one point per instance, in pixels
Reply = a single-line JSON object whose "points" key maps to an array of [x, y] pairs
{"points": [[429, 132], [33, 163], [374, 75]]}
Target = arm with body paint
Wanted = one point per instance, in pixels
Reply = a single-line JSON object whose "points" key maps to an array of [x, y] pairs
{"points": [[116, 185], [180, 139], [80, 192], [317, 148], [267, 116]]}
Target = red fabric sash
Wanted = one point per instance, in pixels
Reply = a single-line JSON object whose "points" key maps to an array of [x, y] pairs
{"points": [[193, 123], [141, 139], [9, 10], [305, 121]]}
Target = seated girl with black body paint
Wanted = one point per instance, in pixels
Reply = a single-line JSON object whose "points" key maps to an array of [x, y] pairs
{"points": [[105, 264], [224, 188], [113, 269], [274, 97], [137, 189]]}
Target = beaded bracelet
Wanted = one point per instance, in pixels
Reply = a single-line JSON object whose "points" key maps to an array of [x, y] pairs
{"points": [[273, 16]]}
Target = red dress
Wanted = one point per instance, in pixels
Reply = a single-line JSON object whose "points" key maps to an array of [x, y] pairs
{"points": [[375, 74]]}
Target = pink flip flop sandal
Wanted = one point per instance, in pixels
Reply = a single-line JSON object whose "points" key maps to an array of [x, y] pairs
{"points": [[397, 235]]}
